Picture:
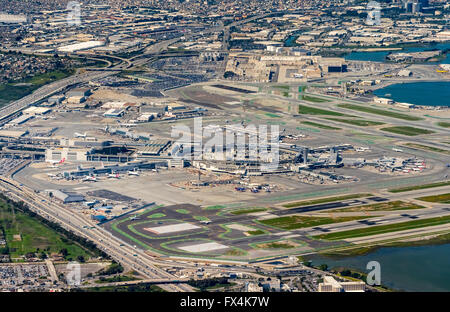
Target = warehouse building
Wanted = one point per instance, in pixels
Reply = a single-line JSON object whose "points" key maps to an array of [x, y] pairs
{"points": [[65, 197], [34, 110], [114, 113], [14, 19], [81, 46]]}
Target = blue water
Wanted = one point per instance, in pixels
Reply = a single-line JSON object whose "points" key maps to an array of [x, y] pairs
{"points": [[381, 55], [424, 268], [419, 93], [290, 41]]}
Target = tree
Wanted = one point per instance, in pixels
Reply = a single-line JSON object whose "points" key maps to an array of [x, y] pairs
{"points": [[346, 272], [64, 252], [323, 267]]}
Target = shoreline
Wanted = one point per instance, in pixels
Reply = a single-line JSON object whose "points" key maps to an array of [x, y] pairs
{"points": [[420, 106], [441, 239]]}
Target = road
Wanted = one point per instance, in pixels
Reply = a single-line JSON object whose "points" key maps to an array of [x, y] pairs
{"points": [[122, 252], [149, 52], [46, 91]]}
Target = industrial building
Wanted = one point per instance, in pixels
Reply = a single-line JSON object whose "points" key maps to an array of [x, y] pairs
{"points": [[14, 19], [114, 113], [34, 110], [65, 197], [81, 46]]}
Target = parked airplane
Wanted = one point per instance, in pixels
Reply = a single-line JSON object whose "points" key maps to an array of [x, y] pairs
{"points": [[89, 179], [114, 176], [56, 162], [397, 150], [80, 135], [135, 173]]}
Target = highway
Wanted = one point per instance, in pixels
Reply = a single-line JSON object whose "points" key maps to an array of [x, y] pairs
{"points": [[122, 252], [139, 60], [47, 90], [158, 48]]}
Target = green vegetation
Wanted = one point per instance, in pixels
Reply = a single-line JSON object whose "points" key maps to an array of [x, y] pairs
{"points": [[116, 279], [13, 91], [427, 148], [113, 268], [406, 130], [444, 124], [442, 199], [297, 222], [216, 207], [419, 187], [314, 99], [359, 251], [279, 245], [324, 200], [247, 211], [358, 122], [235, 252], [282, 87], [201, 218], [348, 251], [318, 125], [256, 232], [272, 115], [350, 274], [183, 211], [156, 215], [388, 206], [209, 283], [144, 287], [29, 235], [307, 110], [381, 229], [376, 111]]}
